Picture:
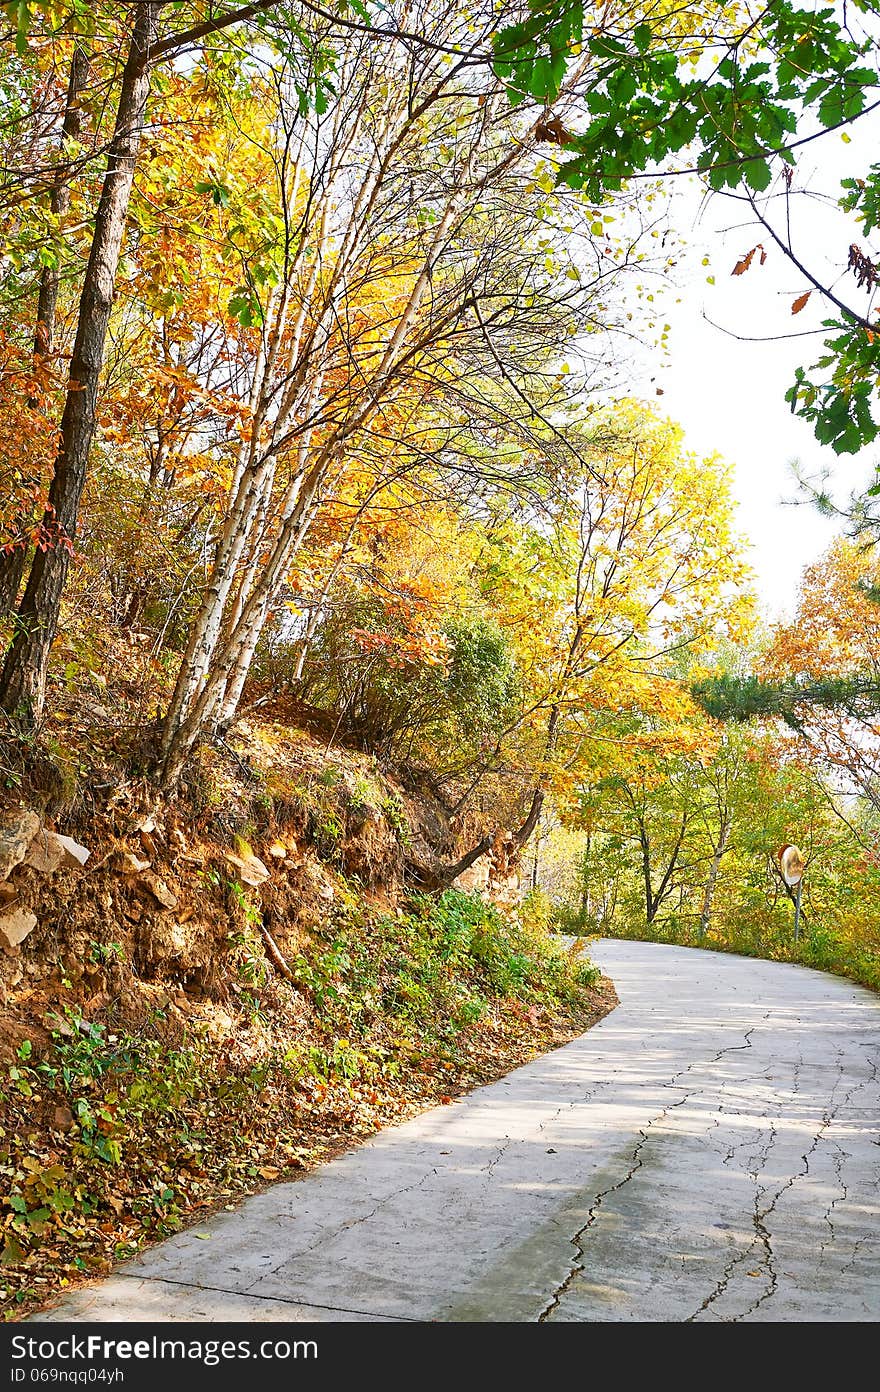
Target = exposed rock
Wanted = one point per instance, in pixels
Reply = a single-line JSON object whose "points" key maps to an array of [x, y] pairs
{"points": [[45, 853], [130, 864], [49, 851], [278, 850], [15, 924], [8, 892], [148, 844], [506, 891], [75, 855], [475, 879], [159, 890], [251, 869], [18, 828]]}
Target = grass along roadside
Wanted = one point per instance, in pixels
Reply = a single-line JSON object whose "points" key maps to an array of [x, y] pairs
{"points": [[823, 948]]}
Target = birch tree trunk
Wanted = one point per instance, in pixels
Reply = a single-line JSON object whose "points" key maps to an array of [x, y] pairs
{"points": [[222, 647]]}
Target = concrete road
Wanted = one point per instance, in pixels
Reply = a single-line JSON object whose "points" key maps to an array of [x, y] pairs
{"points": [[708, 1152]]}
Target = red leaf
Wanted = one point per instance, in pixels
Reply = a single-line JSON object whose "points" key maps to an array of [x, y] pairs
{"points": [[800, 302]]}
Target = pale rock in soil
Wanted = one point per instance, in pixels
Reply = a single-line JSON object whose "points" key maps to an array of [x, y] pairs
{"points": [[131, 864], [75, 855], [45, 853], [17, 830], [250, 868], [475, 879], [50, 851], [159, 890], [15, 924]]}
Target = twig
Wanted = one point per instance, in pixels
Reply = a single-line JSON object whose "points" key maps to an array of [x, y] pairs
{"points": [[274, 953]]}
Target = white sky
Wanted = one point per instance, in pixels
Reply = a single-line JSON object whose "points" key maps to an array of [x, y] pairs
{"points": [[729, 395]]}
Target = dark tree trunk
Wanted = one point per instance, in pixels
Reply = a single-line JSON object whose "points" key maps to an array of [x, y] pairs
{"points": [[586, 869], [650, 903], [11, 571], [12, 563], [712, 879], [23, 679], [59, 201], [519, 838], [653, 900], [447, 873]]}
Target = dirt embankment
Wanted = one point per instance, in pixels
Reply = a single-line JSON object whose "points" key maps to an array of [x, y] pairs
{"points": [[201, 995]]}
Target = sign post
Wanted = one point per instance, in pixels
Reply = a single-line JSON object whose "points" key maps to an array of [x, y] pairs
{"points": [[791, 863]]}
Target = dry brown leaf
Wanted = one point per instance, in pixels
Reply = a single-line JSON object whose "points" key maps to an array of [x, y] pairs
{"points": [[745, 261], [801, 300]]}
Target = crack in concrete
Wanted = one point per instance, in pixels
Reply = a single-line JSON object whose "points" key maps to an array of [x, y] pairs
{"points": [[760, 1214], [275, 1299], [635, 1164], [762, 1233], [325, 1239], [577, 1240], [724, 1280], [828, 1117], [837, 1160], [489, 1168], [579, 1101]]}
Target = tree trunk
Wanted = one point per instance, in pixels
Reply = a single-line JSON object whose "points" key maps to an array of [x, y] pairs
{"points": [[586, 878], [447, 873], [59, 202], [709, 892], [12, 563], [535, 863], [224, 638], [651, 904], [11, 571], [23, 679]]}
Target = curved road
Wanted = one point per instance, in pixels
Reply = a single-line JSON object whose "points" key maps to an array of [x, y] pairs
{"points": [[709, 1151]]}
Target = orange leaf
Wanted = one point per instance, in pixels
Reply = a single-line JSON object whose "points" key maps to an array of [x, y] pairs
{"points": [[800, 302], [745, 262]]}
